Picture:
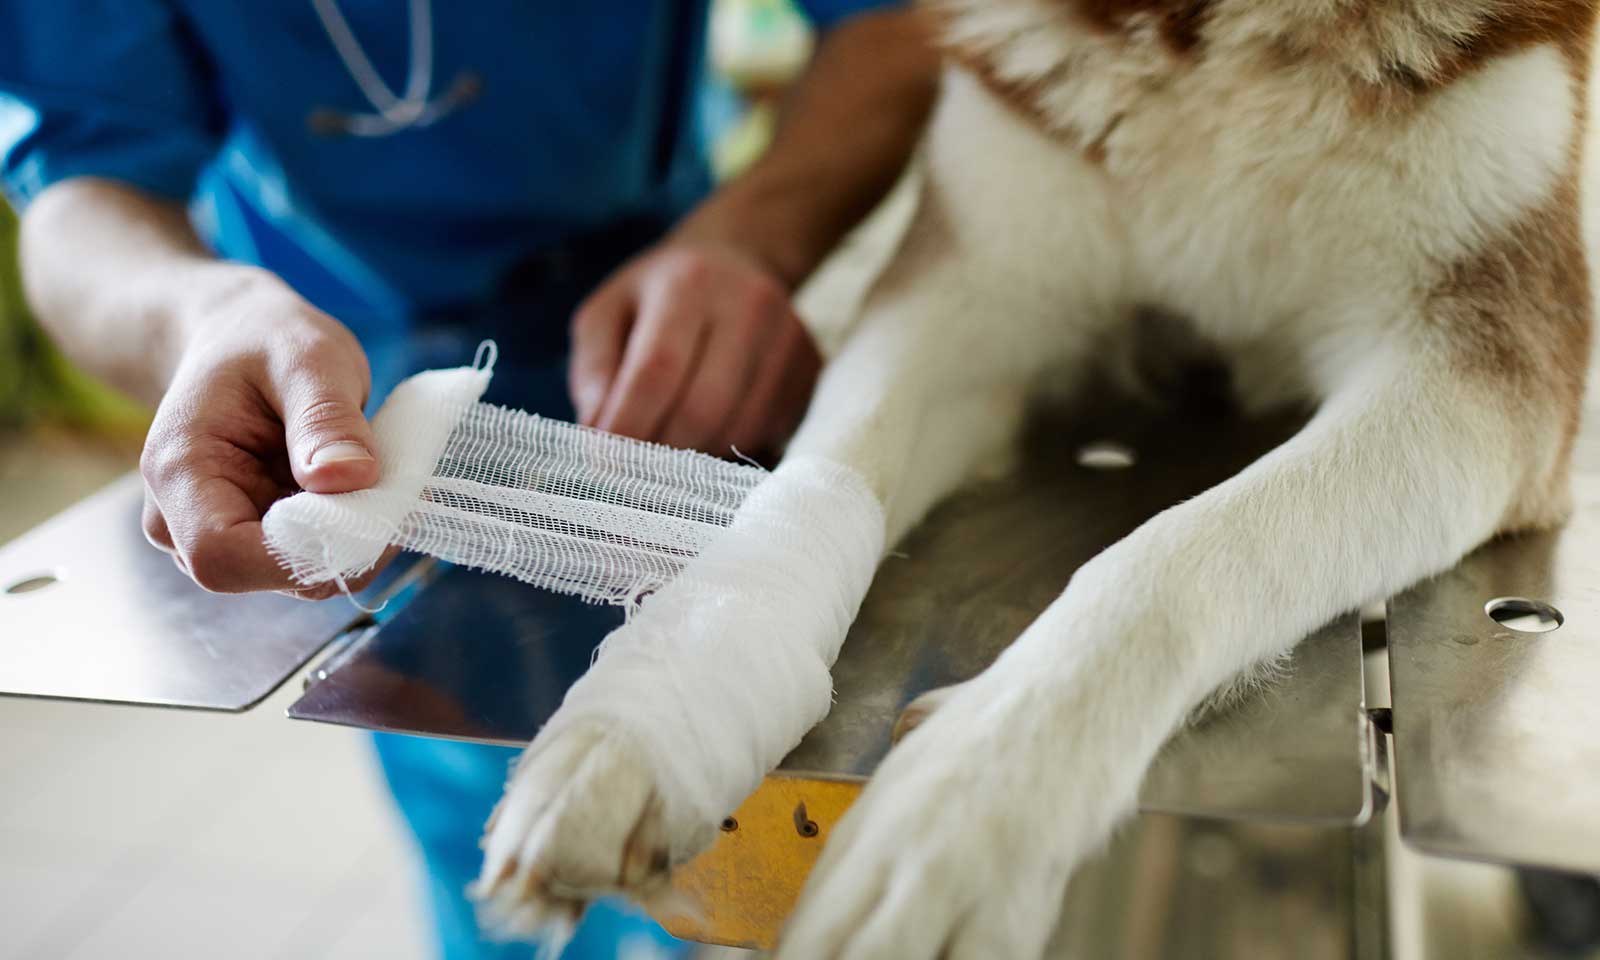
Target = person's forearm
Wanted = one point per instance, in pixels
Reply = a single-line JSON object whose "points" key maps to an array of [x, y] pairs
{"points": [[846, 132], [116, 277]]}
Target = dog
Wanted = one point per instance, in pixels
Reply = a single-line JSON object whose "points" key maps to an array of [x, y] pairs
{"points": [[1370, 208]]}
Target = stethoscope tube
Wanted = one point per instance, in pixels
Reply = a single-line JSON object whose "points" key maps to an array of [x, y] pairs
{"points": [[392, 114]]}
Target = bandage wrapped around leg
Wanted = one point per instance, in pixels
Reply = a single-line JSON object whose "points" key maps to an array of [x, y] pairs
{"points": [[719, 674]]}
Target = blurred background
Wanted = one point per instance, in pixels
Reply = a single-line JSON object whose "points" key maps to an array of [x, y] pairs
{"points": [[133, 832]]}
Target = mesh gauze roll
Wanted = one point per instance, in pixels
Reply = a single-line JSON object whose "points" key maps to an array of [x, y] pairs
{"points": [[551, 503], [573, 509]]}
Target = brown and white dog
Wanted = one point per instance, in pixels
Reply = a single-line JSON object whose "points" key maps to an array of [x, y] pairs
{"points": [[1370, 207]]}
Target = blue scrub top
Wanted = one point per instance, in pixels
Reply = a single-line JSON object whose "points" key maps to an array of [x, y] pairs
{"points": [[584, 116]]}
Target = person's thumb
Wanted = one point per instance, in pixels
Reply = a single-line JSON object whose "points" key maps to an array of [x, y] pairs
{"points": [[329, 441]]}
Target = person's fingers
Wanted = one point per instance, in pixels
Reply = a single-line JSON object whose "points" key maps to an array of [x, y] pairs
{"points": [[233, 559], [778, 395], [738, 344], [748, 431], [314, 594], [155, 525], [599, 330], [265, 480], [305, 594], [213, 523], [329, 440], [323, 591], [662, 349], [799, 385]]}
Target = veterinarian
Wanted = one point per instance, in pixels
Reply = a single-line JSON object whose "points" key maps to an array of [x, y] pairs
{"points": [[261, 216]]}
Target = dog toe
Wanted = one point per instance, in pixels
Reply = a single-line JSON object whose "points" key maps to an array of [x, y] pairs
{"points": [[580, 820]]}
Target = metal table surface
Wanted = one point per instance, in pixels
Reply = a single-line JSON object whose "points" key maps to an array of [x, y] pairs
{"points": [[89, 610], [1496, 730], [478, 657], [1493, 752]]}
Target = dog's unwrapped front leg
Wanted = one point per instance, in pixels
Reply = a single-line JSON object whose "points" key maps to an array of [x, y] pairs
{"points": [[963, 843]]}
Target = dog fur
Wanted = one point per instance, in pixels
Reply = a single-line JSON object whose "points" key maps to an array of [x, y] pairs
{"points": [[1371, 208]]}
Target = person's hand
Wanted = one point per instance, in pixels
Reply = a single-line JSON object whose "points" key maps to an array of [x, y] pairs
{"points": [[693, 345], [266, 399]]}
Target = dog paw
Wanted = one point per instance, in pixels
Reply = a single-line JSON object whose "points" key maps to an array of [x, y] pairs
{"points": [[580, 819], [962, 844]]}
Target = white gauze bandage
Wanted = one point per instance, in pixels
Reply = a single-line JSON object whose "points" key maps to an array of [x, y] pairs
{"points": [[741, 583], [554, 504]]}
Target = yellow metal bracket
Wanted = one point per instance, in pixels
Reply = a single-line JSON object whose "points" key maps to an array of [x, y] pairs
{"points": [[743, 888]]}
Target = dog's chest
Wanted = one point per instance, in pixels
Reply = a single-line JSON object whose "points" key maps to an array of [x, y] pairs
{"points": [[1242, 198], [1201, 151], [1262, 189], [1268, 203]]}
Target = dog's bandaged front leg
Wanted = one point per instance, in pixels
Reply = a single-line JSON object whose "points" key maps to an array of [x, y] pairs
{"points": [[725, 669]]}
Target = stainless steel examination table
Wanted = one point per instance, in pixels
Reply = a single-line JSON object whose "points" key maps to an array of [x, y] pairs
{"points": [[1268, 829]]}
